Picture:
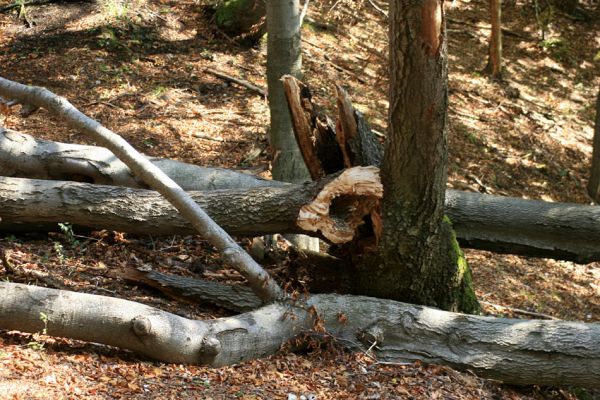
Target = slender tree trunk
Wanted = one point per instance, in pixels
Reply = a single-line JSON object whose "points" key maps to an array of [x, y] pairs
{"points": [[494, 65], [594, 183], [419, 260], [283, 58]]}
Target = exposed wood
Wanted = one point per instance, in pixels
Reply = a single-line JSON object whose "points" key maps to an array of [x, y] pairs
{"points": [[238, 81], [298, 100], [259, 279], [358, 181], [354, 135], [255, 212], [514, 351]]}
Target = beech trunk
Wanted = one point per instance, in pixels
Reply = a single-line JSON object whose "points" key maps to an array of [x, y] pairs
{"points": [[514, 351]]}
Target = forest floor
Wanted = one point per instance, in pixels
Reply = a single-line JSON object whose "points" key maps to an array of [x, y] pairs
{"points": [[138, 67]]}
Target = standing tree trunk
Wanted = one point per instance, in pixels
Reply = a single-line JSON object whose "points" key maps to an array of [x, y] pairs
{"points": [[284, 58], [494, 65], [594, 183], [418, 260]]}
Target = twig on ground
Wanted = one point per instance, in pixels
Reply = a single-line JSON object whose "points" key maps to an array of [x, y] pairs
{"points": [[241, 82], [519, 310], [379, 9]]}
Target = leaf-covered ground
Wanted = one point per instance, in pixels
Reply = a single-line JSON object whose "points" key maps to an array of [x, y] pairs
{"points": [[139, 68]]}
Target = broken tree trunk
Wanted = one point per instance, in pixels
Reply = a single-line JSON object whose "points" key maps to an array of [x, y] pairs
{"points": [[494, 223], [24, 156], [259, 279], [332, 207], [514, 351]]}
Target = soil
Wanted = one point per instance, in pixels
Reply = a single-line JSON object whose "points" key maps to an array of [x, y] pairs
{"points": [[139, 68]]}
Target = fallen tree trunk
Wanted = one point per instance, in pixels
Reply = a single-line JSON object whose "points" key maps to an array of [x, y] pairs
{"points": [[258, 211], [259, 280], [24, 156], [495, 223], [514, 351]]}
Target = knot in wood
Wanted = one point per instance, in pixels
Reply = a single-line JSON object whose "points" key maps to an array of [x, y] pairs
{"points": [[142, 326], [211, 346]]}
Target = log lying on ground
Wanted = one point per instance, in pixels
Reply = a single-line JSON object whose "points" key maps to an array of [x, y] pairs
{"points": [[257, 211], [258, 279], [24, 156], [530, 227], [501, 224], [514, 351]]}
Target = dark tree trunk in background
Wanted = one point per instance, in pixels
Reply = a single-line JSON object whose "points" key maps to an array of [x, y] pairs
{"points": [[242, 18], [594, 183], [494, 65], [418, 260]]}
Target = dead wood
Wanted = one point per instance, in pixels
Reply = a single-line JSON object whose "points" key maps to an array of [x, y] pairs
{"points": [[258, 278]]}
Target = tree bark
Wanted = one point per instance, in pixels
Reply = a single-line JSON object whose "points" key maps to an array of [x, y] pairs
{"points": [[332, 207], [418, 260], [283, 58], [594, 183], [260, 281], [494, 65], [24, 156], [514, 351], [495, 223]]}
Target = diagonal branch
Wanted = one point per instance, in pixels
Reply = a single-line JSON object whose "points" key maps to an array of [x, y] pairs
{"points": [[259, 279]]}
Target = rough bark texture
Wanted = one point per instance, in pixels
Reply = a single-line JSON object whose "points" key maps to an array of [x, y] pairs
{"points": [[495, 223], [231, 297], [24, 156], [258, 278], [530, 227], [283, 58], [257, 211], [494, 64], [515, 351], [417, 258], [594, 183]]}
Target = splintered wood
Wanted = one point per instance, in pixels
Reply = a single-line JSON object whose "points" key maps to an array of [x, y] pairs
{"points": [[358, 189]]}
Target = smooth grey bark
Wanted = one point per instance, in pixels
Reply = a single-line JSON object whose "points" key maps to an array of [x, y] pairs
{"points": [[494, 223], [594, 183], [511, 350], [259, 279], [564, 231], [283, 58], [24, 156]]}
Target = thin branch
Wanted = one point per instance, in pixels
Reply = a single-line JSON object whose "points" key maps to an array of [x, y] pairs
{"points": [[241, 82], [303, 13], [259, 279]]}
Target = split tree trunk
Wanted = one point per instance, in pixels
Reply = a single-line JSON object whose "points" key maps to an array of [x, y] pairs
{"points": [[514, 351], [495, 223], [331, 208]]}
